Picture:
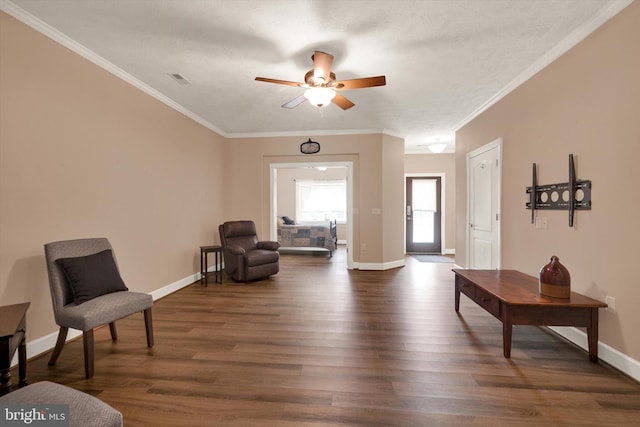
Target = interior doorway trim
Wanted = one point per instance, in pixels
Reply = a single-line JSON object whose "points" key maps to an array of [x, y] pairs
{"points": [[273, 198]]}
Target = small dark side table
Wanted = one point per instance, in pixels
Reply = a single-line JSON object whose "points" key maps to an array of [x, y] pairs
{"points": [[13, 329], [204, 264]]}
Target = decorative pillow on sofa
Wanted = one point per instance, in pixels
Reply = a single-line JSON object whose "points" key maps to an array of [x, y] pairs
{"points": [[92, 275]]}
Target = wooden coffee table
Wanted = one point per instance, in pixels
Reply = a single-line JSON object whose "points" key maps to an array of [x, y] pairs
{"points": [[513, 298]]}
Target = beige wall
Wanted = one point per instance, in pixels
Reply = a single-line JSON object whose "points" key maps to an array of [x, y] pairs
{"points": [[443, 165], [83, 154], [587, 103], [247, 167], [392, 198]]}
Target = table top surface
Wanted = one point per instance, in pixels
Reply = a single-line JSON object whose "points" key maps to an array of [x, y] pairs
{"points": [[517, 288], [210, 248], [11, 316]]}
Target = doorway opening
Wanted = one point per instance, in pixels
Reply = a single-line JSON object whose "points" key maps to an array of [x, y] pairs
{"points": [[286, 169]]}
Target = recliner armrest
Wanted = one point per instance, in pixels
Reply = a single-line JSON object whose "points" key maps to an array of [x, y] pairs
{"points": [[236, 250], [268, 245]]}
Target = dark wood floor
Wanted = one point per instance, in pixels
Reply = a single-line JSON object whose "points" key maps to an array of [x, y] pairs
{"points": [[318, 345]]}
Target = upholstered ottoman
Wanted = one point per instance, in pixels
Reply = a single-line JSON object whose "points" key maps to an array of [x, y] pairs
{"points": [[84, 409]]}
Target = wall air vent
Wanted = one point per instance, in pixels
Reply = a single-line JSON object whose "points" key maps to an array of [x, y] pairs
{"points": [[179, 78]]}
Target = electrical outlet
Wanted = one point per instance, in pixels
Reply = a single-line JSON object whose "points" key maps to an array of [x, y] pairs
{"points": [[363, 246], [611, 304], [543, 222]]}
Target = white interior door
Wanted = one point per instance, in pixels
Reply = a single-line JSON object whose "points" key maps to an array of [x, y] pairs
{"points": [[484, 187]]}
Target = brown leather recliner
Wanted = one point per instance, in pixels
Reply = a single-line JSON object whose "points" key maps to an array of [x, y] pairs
{"points": [[245, 257]]}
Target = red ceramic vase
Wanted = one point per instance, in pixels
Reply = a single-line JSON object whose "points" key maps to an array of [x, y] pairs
{"points": [[555, 280]]}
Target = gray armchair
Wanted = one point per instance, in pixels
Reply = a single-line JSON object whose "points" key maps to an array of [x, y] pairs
{"points": [[84, 409], [245, 257], [87, 292]]}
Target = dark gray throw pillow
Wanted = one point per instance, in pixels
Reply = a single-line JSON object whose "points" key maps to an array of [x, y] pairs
{"points": [[92, 275], [288, 221]]}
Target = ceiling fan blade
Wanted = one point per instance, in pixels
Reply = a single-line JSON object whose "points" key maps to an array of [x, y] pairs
{"points": [[342, 102], [280, 82], [322, 63], [294, 102], [361, 83]]}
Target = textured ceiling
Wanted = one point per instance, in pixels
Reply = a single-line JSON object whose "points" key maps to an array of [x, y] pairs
{"points": [[444, 60]]}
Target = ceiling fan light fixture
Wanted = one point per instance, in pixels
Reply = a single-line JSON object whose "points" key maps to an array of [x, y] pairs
{"points": [[319, 96], [321, 84], [437, 148]]}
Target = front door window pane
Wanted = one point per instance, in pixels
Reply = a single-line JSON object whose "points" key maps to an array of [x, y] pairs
{"points": [[425, 205]]}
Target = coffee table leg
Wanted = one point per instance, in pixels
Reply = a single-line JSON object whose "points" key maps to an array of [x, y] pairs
{"points": [[507, 329]]}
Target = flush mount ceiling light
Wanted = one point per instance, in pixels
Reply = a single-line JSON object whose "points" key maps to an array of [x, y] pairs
{"points": [[319, 96], [437, 148]]}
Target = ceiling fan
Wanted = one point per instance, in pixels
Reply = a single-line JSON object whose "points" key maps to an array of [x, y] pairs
{"points": [[322, 85]]}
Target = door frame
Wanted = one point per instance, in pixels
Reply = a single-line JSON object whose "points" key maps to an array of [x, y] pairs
{"points": [[496, 144], [443, 186], [273, 198]]}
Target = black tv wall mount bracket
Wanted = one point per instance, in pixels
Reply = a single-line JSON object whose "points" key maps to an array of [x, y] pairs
{"points": [[570, 196]]}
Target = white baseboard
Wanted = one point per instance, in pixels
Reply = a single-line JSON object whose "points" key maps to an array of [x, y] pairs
{"points": [[175, 286], [613, 357], [44, 344], [379, 266]]}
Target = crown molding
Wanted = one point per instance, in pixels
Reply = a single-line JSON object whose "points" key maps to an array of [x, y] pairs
{"points": [[607, 12], [315, 132], [47, 30]]}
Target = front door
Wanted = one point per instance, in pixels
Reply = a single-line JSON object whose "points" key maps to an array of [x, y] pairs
{"points": [[423, 214]]}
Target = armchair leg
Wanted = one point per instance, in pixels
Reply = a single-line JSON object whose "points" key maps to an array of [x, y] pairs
{"points": [[87, 340], [148, 325], [62, 337], [114, 332]]}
